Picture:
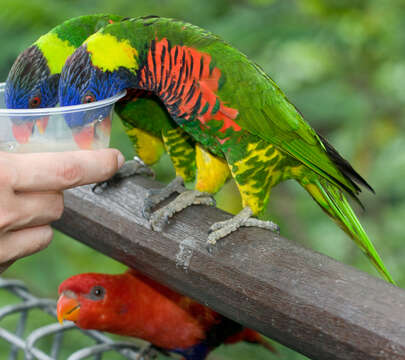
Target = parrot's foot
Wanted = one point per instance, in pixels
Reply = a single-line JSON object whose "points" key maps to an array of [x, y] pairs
{"points": [[156, 196], [130, 168], [187, 198], [244, 218]]}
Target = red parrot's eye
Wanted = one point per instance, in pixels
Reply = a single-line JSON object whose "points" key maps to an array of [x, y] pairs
{"points": [[88, 99], [96, 293], [34, 102]]}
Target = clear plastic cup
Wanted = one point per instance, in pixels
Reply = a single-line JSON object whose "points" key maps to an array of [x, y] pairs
{"points": [[47, 129]]}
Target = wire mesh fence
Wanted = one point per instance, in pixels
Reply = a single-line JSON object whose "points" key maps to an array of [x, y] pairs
{"points": [[45, 342]]}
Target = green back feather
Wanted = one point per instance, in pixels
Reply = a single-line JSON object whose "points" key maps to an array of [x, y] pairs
{"points": [[270, 116], [78, 29], [337, 206]]}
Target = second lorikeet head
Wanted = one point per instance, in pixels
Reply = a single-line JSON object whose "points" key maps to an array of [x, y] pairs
{"points": [[81, 82], [30, 85]]}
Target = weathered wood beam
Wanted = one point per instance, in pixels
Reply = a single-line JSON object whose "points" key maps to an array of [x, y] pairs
{"points": [[305, 300]]}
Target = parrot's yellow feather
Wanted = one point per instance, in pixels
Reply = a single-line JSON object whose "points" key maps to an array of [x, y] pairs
{"points": [[212, 171], [116, 53], [55, 50], [148, 147]]}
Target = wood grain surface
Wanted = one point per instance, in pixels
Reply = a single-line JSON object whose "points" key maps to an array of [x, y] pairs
{"points": [[303, 299]]}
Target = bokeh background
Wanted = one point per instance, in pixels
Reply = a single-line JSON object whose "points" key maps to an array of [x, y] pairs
{"points": [[342, 62]]}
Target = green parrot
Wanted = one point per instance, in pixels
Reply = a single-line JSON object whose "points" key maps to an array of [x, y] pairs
{"points": [[229, 106], [33, 82], [33, 79]]}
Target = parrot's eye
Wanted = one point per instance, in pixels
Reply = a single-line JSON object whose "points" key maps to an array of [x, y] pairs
{"points": [[34, 102], [97, 293], [88, 98]]}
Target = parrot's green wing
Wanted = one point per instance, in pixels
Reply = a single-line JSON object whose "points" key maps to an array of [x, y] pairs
{"points": [[273, 118]]}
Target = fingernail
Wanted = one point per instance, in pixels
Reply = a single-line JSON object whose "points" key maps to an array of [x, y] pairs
{"points": [[120, 159]]}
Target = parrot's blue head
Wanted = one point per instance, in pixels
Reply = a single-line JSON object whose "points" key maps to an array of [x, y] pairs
{"points": [[80, 83], [30, 85]]}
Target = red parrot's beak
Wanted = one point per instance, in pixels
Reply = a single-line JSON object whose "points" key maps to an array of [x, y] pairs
{"points": [[23, 131], [84, 137], [67, 308], [42, 123]]}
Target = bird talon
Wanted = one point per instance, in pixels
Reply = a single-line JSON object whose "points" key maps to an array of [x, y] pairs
{"points": [[211, 241], [161, 217], [218, 225], [221, 229], [101, 185], [143, 169], [146, 212], [209, 248], [158, 221], [213, 237], [213, 202]]}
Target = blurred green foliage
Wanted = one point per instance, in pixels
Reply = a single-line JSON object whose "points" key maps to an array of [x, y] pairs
{"points": [[342, 62]]}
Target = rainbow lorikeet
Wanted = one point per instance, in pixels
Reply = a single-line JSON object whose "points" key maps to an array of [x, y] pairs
{"points": [[33, 82], [132, 304], [34, 77], [229, 106]]}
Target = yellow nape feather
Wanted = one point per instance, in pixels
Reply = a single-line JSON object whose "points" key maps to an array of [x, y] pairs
{"points": [[148, 147], [55, 50], [116, 53], [212, 172]]}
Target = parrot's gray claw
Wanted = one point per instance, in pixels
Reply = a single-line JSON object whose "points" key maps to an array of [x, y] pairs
{"points": [[130, 168], [100, 186], [187, 198], [223, 228], [153, 198], [156, 196]]}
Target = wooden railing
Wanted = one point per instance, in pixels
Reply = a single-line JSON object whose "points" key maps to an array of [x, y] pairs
{"points": [[305, 300]]}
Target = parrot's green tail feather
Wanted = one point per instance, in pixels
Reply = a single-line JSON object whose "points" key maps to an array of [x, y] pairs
{"points": [[333, 202]]}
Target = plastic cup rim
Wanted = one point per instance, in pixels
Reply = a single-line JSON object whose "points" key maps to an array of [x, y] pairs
{"points": [[61, 109]]}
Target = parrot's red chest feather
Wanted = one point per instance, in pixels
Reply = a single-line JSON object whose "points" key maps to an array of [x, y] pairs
{"points": [[187, 83], [137, 306], [132, 304]]}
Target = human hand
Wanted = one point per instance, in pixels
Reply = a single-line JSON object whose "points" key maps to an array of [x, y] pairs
{"points": [[31, 194]]}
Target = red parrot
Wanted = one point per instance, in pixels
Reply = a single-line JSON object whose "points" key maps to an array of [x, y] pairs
{"points": [[131, 304]]}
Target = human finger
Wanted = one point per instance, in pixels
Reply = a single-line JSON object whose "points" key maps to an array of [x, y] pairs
{"points": [[28, 209], [60, 171], [17, 244]]}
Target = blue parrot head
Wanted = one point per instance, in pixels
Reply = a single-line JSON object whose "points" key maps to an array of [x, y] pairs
{"points": [[80, 83], [30, 85]]}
